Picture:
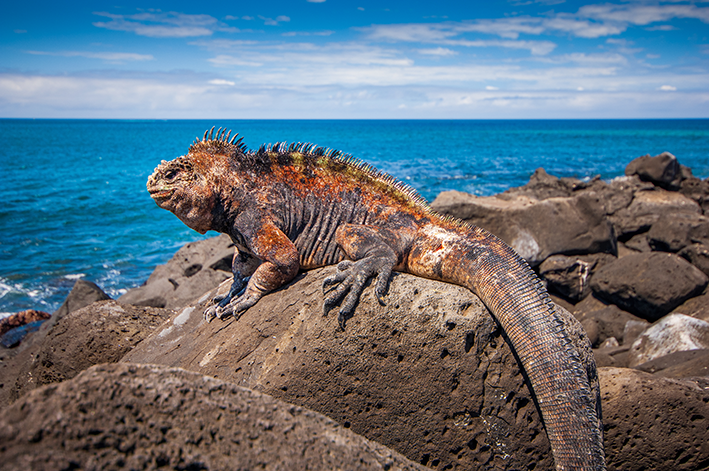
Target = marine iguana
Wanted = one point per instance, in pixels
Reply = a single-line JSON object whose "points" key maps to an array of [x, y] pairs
{"points": [[300, 207]]}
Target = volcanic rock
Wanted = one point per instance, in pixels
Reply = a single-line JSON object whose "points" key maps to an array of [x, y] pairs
{"points": [[654, 423], [126, 416], [83, 293], [648, 207], [536, 229], [428, 375], [697, 255], [99, 333], [648, 284], [195, 269], [684, 364], [21, 318], [697, 306], [662, 170], [673, 333], [675, 232]]}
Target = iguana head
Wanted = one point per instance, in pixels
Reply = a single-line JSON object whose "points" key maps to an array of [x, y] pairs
{"points": [[188, 186]]}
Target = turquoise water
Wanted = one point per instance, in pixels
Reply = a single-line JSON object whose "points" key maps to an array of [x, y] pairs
{"points": [[74, 203]]}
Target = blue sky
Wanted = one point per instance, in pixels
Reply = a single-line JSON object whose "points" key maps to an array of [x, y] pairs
{"points": [[355, 59]]}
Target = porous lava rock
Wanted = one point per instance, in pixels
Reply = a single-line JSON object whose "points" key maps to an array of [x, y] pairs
{"points": [[697, 306], [648, 285], [124, 416], [697, 255], [662, 170], [21, 318], [536, 229], [196, 268], [648, 207], [654, 423], [567, 276], [675, 232], [83, 293], [605, 323], [429, 374], [98, 333], [672, 333], [683, 364]]}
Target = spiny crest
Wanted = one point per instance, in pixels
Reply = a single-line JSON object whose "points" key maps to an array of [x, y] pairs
{"points": [[221, 144], [332, 159]]}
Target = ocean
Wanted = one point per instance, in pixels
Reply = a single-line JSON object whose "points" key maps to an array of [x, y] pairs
{"points": [[74, 203]]}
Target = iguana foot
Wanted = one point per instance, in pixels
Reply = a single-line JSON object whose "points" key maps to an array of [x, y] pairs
{"points": [[349, 282], [235, 307], [221, 303]]}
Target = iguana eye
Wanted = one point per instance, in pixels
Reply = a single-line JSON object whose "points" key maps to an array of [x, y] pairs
{"points": [[170, 175]]}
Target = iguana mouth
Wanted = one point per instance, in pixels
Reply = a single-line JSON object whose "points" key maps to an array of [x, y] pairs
{"points": [[160, 194]]}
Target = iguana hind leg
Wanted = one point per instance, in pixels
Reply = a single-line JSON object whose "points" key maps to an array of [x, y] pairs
{"points": [[371, 257]]}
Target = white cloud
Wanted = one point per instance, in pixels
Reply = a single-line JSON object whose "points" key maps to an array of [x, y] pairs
{"points": [[439, 51], [222, 82], [668, 88], [158, 24], [424, 92], [643, 14], [107, 56], [274, 22], [490, 87]]}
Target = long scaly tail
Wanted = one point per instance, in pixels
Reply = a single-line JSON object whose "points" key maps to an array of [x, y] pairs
{"points": [[474, 258]]}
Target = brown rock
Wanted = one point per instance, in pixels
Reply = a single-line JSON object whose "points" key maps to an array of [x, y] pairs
{"points": [[654, 423], [697, 255], [638, 243], [99, 333], [428, 375], [672, 333], [536, 229], [82, 294], [195, 269], [648, 285], [684, 364], [605, 323], [662, 170], [696, 307], [21, 318], [647, 208], [675, 232], [696, 189], [568, 276], [151, 417]]}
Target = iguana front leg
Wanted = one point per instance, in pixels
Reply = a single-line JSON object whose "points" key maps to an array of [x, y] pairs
{"points": [[280, 265], [372, 254], [243, 265]]}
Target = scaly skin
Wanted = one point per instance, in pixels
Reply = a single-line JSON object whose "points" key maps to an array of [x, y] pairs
{"points": [[301, 207]]}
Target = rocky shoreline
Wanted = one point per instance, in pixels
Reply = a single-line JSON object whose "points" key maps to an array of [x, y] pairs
{"points": [[429, 378]]}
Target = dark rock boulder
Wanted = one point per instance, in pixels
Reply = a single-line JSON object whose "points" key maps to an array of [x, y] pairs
{"points": [[697, 306], [608, 322], [697, 255], [81, 295], [648, 207], [126, 416], [662, 170], [428, 375], [102, 332], [13, 337], [567, 276], [536, 229], [683, 364], [648, 285], [654, 423], [677, 231], [21, 318], [195, 269], [672, 333], [696, 189]]}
